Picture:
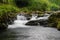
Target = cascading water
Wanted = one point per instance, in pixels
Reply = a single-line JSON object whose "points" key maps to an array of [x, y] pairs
{"points": [[20, 22]]}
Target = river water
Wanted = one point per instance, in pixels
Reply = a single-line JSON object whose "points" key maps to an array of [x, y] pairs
{"points": [[30, 33], [19, 31]]}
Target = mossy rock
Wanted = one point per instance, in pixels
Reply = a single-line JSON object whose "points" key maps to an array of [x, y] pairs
{"points": [[54, 19], [58, 26]]}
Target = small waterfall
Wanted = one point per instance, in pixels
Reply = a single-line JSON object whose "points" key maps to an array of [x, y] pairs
{"points": [[21, 17], [34, 17], [20, 22]]}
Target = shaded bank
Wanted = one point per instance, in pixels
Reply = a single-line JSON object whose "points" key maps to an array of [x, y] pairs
{"points": [[7, 15]]}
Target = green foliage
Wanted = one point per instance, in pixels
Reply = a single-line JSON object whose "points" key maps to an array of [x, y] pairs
{"points": [[41, 5], [54, 20], [8, 8], [55, 2], [5, 8]]}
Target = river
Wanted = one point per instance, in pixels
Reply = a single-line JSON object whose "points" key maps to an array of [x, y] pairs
{"points": [[30, 33], [19, 31]]}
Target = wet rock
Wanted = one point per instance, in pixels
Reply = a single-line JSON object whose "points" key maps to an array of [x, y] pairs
{"points": [[6, 19], [32, 23]]}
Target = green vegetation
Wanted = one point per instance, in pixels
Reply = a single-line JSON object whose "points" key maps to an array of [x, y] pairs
{"points": [[54, 20], [7, 14], [41, 5]]}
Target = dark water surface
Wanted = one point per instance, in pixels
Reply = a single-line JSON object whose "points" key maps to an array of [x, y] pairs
{"points": [[31, 33]]}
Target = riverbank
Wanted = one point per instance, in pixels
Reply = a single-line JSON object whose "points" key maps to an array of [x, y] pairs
{"points": [[7, 15]]}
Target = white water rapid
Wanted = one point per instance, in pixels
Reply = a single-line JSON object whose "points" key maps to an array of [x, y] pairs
{"points": [[20, 22]]}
